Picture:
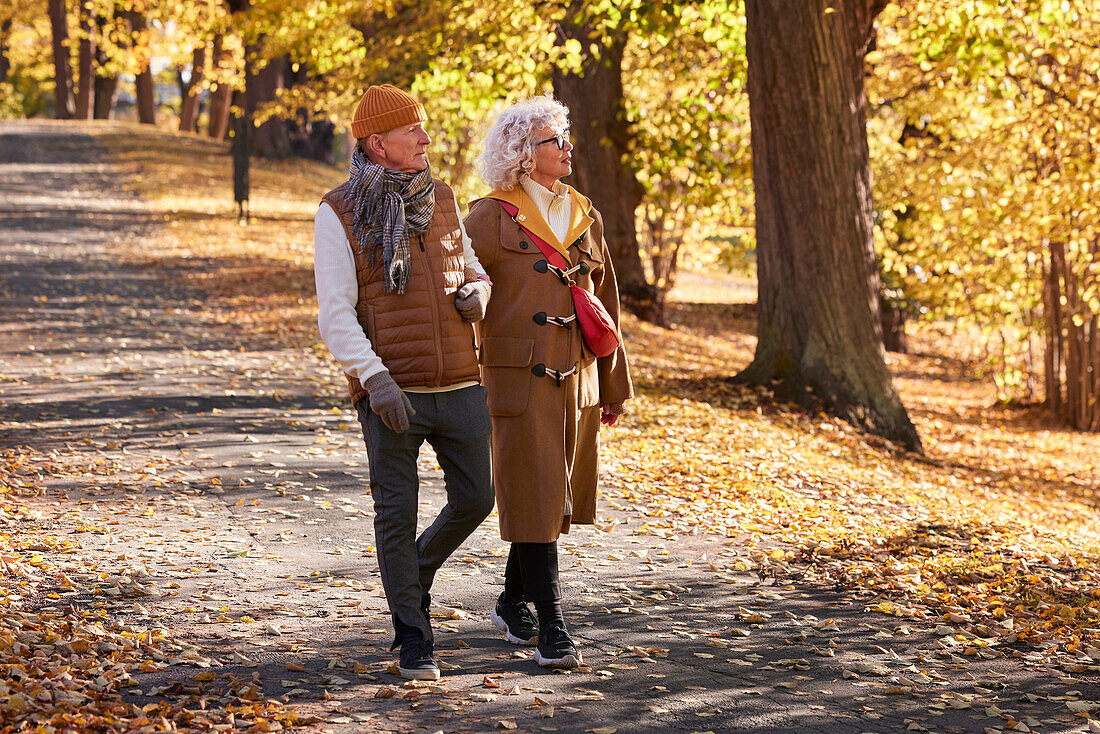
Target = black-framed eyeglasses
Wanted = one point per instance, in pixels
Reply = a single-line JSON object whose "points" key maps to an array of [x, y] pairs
{"points": [[559, 140]]}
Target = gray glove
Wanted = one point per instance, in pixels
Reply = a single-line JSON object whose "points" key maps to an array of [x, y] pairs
{"points": [[472, 299], [389, 402]]}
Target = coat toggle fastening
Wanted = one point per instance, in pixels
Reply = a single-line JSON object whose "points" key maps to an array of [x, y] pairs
{"points": [[541, 370], [543, 267], [564, 322]]}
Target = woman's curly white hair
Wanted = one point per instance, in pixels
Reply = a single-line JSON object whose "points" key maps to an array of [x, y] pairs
{"points": [[510, 145]]}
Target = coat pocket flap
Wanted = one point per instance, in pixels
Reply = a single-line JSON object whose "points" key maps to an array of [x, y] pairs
{"points": [[504, 351]]}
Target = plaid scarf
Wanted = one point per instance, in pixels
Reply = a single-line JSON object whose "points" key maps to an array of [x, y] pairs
{"points": [[390, 207]]}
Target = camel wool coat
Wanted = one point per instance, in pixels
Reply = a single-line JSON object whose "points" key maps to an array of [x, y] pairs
{"points": [[545, 434]]}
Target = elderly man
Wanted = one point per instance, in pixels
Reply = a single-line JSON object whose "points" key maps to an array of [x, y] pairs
{"points": [[398, 287]]}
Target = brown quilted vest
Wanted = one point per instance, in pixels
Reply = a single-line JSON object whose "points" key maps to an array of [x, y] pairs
{"points": [[419, 335]]}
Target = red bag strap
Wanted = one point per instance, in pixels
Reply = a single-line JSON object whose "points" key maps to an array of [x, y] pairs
{"points": [[552, 256]]}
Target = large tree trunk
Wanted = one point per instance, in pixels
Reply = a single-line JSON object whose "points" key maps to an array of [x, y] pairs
{"points": [[221, 96], [189, 108], [85, 67], [602, 162], [63, 73], [818, 287], [143, 82]]}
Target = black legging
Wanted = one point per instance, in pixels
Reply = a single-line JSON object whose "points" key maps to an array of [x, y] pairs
{"points": [[532, 573]]}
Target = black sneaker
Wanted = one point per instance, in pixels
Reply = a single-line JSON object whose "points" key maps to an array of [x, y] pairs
{"points": [[416, 661], [516, 621], [556, 648]]}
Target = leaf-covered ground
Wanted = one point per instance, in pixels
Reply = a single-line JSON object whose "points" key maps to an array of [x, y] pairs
{"points": [[758, 550], [994, 532]]}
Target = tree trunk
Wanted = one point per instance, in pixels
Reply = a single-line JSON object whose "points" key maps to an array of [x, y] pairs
{"points": [[894, 337], [1094, 374], [5, 60], [271, 139], [818, 328], [85, 67], [105, 86], [1052, 307], [146, 98], [1072, 343], [602, 161], [182, 87], [63, 74], [189, 107], [104, 105], [145, 90], [1072, 359], [221, 97]]}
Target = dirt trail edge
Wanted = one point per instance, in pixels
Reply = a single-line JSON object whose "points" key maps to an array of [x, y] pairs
{"points": [[214, 488]]}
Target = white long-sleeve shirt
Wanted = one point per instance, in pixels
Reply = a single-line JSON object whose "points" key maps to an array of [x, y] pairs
{"points": [[338, 292]]}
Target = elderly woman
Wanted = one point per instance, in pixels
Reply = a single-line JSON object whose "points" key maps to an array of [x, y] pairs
{"points": [[548, 392]]}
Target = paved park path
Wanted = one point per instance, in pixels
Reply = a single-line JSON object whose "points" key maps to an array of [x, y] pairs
{"points": [[215, 491]]}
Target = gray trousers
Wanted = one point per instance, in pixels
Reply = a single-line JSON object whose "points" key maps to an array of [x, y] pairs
{"points": [[456, 425]]}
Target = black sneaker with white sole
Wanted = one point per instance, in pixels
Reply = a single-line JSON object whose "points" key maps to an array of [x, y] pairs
{"points": [[515, 620], [556, 648], [416, 660]]}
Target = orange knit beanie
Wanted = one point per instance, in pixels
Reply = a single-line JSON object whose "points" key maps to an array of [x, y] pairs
{"points": [[383, 108]]}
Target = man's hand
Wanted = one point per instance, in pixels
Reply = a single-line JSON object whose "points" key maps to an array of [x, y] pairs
{"points": [[472, 299], [389, 402]]}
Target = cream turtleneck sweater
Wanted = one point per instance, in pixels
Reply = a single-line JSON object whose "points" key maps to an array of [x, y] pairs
{"points": [[555, 205]]}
